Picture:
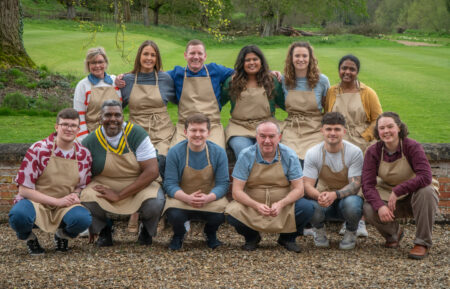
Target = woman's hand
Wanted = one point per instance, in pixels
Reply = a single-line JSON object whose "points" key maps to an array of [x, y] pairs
{"points": [[385, 214]]}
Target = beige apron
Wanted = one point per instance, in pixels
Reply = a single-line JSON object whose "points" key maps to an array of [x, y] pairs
{"points": [[98, 96], [394, 173], [194, 180], [148, 110], [119, 172], [197, 96], [59, 179], [301, 129], [266, 184], [350, 105], [252, 107], [330, 181]]}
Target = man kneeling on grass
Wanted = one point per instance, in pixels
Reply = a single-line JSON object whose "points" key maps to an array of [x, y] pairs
{"points": [[124, 169], [52, 174]]}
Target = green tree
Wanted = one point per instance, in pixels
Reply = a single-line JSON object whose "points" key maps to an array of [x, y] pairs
{"points": [[432, 15]]}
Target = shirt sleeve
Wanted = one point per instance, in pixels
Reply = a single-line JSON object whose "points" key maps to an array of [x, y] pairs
{"points": [[356, 163], [369, 178], [279, 94], [168, 88], [172, 177], [310, 165], [84, 167], [225, 92], [419, 163], [145, 150], [294, 171], [126, 91], [222, 178], [243, 165], [80, 99], [29, 170]]}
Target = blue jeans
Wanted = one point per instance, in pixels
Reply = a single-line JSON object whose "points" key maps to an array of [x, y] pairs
{"points": [[348, 209], [303, 213], [238, 143], [177, 217], [22, 217]]}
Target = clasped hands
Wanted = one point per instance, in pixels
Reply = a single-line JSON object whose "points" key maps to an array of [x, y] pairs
{"points": [[272, 211], [199, 199], [325, 199]]}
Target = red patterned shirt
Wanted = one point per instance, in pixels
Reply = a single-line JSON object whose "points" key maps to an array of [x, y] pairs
{"points": [[38, 155]]}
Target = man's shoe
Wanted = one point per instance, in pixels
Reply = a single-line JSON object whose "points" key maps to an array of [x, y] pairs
{"points": [[105, 237], [320, 238], [349, 241], [84, 234], [61, 244], [144, 237], [343, 228], [308, 232], [252, 245], [362, 231], [418, 252], [176, 243], [395, 244], [289, 245], [212, 241], [34, 248]]}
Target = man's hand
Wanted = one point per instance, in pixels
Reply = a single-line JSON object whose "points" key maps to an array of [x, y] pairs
{"points": [[385, 214], [276, 209], [69, 200], [200, 199], [263, 209], [326, 199], [392, 201], [106, 193], [119, 82]]}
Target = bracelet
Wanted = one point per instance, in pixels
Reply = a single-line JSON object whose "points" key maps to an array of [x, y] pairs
{"points": [[338, 195]]}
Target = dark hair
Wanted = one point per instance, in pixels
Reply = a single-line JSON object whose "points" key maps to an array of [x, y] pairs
{"points": [[240, 78], [197, 118], [195, 42], [333, 117], [403, 127], [269, 121], [137, 60], [352, 58], [313, 73], [68, 113]]}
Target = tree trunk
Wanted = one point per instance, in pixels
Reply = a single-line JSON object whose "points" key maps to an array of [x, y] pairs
{"points": [[71, 13], [156, 15], [12, 51], [116, 11], [145, 14], [126, 11]]}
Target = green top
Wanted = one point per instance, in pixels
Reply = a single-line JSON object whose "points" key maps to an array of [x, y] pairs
{"points": [[277, 92], [96, 143]]}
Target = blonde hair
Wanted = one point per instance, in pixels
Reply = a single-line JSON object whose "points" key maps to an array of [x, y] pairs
{"points": [[91, 54]]}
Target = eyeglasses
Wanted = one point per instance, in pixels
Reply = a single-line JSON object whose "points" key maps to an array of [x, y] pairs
{"points": [[67, 125], [96, 62]]}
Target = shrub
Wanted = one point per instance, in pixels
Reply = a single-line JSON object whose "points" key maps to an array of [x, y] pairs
{"points": [[63, 84], [15, 100], [22, 81], [43, 67], [45, 83], [368, 29], [31, 85], [333, 29], [15, 72], [2, 85]]}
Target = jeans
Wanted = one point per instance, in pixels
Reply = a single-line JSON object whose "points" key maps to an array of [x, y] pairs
{"points": [[303, 213], [177, 217], [348, 209], [238, 143], [22, 217]]}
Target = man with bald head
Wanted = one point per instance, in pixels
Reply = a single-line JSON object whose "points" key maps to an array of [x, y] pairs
{"points": [[268, 191]]}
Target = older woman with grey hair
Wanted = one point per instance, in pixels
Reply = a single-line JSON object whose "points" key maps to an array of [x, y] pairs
{"points": [[93, 90]]}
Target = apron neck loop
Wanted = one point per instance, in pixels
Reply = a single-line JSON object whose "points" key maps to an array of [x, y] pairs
{"points": [[187, 154], [207, 72]]}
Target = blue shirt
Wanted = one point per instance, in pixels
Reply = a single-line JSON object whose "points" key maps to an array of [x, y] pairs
{"points": [[289, 162], [176, 162], [320, 90], [218, 74]]}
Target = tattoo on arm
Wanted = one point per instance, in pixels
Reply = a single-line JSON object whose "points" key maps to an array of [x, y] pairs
{"points": [[352, 188]]}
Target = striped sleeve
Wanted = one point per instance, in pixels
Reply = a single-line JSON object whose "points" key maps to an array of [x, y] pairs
{"points": [[80, 102]]}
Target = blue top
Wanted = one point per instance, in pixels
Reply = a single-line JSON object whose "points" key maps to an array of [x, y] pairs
{"points": [[218, 74], [176, 162], [289, 162], [302, 84], [165, 84]]}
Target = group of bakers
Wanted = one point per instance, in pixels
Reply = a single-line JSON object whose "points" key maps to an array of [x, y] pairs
{"points": [[336, 156]]}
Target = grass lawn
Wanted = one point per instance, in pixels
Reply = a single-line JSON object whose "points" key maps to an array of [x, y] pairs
{"points": [[413, 81]]}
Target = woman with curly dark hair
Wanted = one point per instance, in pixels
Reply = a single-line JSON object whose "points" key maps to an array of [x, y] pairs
{"points": [[253, 93], [397, 183], [304, 87]]}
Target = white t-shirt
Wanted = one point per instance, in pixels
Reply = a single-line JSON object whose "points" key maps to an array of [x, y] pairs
{"points": [[353, 159]]}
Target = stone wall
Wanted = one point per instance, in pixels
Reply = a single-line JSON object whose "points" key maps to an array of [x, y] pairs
{"points": [[11, 156]]}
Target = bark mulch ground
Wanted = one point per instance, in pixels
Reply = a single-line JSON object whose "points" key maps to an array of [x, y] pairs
{"points": [[129, 265]]}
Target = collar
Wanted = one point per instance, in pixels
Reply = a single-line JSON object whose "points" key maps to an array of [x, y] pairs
{"points": [[95, 80], [259, 158]]}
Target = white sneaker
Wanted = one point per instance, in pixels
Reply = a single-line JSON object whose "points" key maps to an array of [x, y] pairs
{"points": [[308, 232], [349, 241], [320, 238], [342, 231], [84, 234], [362, 231]]}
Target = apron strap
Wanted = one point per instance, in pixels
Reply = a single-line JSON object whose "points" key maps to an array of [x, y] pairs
{"points": [[207, 72], [187, 155], [135, 78]]}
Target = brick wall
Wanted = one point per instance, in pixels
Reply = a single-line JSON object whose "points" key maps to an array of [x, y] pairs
{"points": [[11, 156]]}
